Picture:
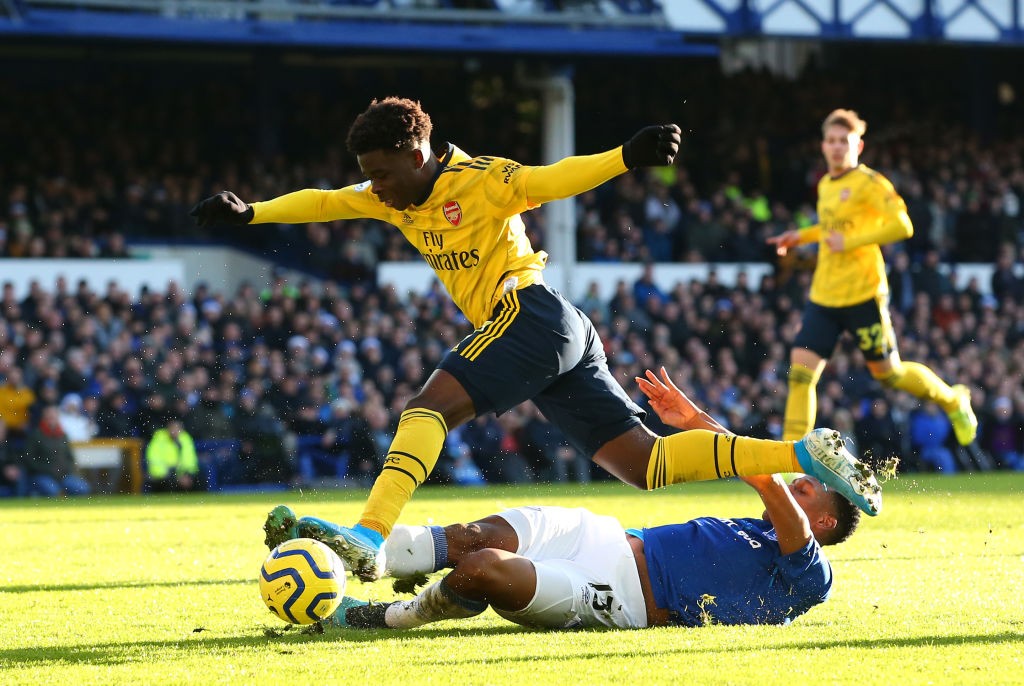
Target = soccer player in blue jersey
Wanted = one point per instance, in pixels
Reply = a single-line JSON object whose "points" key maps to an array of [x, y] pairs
{"points": [[530, 343], [551, 567]]}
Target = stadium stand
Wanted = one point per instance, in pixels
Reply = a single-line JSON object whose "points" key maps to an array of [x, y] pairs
{"points": [[743, 176], [297, 387], [120, 169]]}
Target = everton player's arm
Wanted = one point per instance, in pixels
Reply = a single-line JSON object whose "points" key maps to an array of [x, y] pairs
{"points": [[673, 406], [310, 205], [676, 409], [571, 176], [790, 522]]}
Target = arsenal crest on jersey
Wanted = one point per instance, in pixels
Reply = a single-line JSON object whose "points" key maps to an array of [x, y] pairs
{"points": [[844, 195], [452, 212]]}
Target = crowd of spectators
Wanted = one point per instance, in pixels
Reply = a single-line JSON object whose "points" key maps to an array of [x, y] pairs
{"points": [[310, 382], [306, 382], [86, 181]]}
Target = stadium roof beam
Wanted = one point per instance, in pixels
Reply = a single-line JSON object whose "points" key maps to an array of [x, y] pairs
{"points": [[968, 21], [357, 27], [276, 9], [610, 27]]}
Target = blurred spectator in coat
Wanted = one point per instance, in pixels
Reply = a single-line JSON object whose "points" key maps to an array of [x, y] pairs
{"points": [[16, 400], [1006, 285], [114, 419], [347, 444], [152, 414], [49, 461], [929, 278], [210, 419], [1004, 435], [77, 425], [645, 287], [382, 431], [171, 460], [877, 434], [901, 283], [929, 430], [12, 475], [550, 456], [262, 456], [76, 376], [495, 451]]}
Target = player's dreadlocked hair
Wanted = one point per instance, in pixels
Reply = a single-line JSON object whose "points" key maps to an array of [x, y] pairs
{"points": [[389, 124], [847, 519]]}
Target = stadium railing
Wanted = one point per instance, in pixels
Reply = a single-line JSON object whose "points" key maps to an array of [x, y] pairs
{"points": [[623, 13]]}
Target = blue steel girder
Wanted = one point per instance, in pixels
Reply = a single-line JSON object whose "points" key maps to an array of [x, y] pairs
{"points": [[631, 27], [1007, 33], [983, 21]]}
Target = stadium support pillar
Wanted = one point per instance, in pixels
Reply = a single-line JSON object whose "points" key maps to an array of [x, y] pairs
{"points": [[559, 140]]}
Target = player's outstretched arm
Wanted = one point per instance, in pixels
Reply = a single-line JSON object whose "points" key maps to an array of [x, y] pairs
{"points": [[298, 207], [672, 405], [794, 237], [223, 208], [653, 146]]}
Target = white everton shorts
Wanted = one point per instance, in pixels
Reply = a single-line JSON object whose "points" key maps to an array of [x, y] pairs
{"points": [[586, 572]]}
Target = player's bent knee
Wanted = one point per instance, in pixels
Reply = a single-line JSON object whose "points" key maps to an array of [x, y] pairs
{"points": [[482, 569]]}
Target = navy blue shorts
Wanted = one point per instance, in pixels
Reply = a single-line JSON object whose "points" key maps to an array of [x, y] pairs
{"points": [[869, 322], [537, 346]]}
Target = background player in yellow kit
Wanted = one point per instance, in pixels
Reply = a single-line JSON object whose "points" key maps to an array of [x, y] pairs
{"points": [[858, 211], [462, 214]]}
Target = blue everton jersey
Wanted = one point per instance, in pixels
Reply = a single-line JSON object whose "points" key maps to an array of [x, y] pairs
{"points": [[731, 571]]}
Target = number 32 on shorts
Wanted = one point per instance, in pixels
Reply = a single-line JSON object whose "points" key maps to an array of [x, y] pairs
{"points": [[871, 338]]}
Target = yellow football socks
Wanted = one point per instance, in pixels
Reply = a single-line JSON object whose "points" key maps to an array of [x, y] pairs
{"points": [[412, 456], [801, 402], [700, 455], [921, 382]]}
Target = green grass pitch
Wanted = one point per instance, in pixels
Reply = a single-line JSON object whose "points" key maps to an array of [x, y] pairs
{"points": [[162, 590]]}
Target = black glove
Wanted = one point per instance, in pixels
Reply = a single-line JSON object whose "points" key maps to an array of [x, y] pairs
{"points": [[653, 146], [223, 208]]}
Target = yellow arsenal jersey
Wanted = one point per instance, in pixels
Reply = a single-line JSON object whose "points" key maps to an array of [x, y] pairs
{"points": [[468, 230], [862, 205]]}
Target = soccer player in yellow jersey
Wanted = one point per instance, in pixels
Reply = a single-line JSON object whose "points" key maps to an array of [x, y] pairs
{"points": [[858, 211], [462, 214]]}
